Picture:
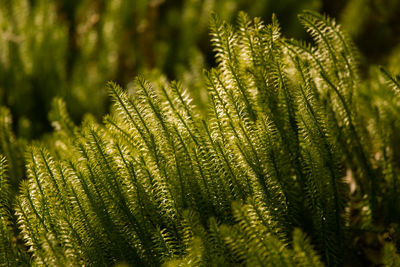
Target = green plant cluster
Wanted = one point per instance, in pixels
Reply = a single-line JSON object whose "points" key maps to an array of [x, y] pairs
{"points": [[70, 49], [295, 163]]}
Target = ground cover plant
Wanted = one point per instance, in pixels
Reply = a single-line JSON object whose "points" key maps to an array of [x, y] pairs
{"points": [[70, 49], [295, 163]]}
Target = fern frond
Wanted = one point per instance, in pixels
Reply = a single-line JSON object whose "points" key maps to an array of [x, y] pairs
{"points": [[11, 148], [391, 81], [10, 253], [304, 252]]}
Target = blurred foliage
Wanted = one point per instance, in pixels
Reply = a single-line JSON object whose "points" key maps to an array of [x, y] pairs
{"points": [[375, 27], [71, 48]]}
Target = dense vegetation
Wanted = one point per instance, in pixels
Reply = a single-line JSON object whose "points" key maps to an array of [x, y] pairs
{"points": [[291, 158], [72, 48]]}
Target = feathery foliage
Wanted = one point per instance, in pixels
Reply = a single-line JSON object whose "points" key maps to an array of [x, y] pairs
{"points": [[70, 49], [264, 178]]}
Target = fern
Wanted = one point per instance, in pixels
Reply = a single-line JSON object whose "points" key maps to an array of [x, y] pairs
{"points": [[12, 148], [11, 253], [257, 179]]}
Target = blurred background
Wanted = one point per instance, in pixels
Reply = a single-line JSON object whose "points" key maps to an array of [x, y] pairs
{"points": [[71, 48]]}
